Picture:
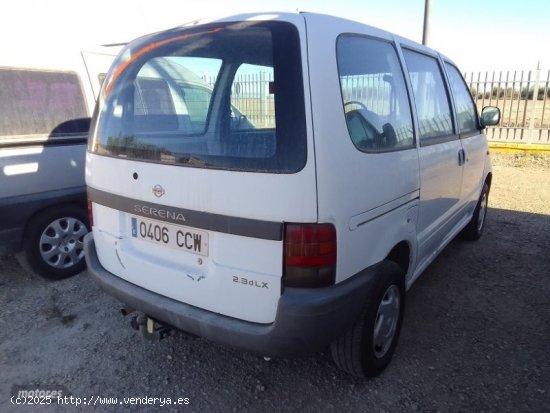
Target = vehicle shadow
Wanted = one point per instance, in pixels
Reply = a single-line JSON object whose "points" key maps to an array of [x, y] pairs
{"points": [[475, 337]]}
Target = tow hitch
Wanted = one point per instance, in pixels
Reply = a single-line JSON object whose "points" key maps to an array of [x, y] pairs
{"points": [[150, 328]]}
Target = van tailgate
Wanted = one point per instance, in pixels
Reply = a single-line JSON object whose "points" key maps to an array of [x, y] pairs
{"points": [[209, 238]]}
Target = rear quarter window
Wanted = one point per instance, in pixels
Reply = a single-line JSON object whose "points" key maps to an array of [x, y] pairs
{"points": [[374, 94]]}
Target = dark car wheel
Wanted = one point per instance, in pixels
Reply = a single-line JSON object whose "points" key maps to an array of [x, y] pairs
{"points": [[367, 348], [53, 245], [474, 230]]}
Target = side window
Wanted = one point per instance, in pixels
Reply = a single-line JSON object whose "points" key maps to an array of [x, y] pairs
{"points": [[43, 103], [252, 98], [466, 111], [374, 95], [430, 96]]}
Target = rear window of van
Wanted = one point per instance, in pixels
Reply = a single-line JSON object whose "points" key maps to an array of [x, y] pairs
{"points": [[225, 96]]}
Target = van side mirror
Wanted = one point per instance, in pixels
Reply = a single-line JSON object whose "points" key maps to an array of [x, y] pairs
{"points": [[490, 116]]}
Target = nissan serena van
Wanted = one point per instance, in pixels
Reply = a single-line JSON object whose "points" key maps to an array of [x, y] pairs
{"points": [[291, 206]]}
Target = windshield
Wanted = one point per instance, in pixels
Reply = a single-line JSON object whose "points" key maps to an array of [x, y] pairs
{"points": [[225, 96]]}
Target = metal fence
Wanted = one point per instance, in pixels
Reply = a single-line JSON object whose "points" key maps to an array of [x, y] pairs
{"points": [[251, 96], [524, 100], [523, 97]]}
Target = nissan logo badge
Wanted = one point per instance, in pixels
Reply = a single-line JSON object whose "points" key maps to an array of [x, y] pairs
{"points": [[158, 191]]}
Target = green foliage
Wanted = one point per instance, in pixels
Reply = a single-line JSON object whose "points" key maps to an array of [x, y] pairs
{"points": [[497, 92], [529, 93]]}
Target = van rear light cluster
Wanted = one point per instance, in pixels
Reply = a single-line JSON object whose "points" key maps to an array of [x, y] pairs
{"points": [[90, 214], [309, 255]]}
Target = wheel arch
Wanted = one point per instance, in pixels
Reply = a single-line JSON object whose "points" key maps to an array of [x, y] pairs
{"points": [[401, 254], [489, 179]]}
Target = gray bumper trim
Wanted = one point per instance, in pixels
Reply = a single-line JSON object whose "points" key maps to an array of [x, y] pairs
{"points": [[307, 320]]}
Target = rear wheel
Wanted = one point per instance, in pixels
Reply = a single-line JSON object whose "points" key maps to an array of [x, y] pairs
{"points": [[474, 230], [53, 245], [367, 348]]}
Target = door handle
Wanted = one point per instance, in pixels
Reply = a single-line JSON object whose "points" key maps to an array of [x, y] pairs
{"points": [[461, 157]]}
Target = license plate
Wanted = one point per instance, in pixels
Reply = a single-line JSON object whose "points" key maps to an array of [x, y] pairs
{"points": [[173, 236]]}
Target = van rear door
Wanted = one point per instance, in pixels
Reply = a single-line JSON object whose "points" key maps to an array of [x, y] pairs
{"points": [[201, 152]]}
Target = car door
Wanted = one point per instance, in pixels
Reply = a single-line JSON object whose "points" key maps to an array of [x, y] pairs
{"points": [[440, 155], [473, 141]]}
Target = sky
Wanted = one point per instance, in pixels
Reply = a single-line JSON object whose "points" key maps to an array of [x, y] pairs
{"points": [[478, 35]]}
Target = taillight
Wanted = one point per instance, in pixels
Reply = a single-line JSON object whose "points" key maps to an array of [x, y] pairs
{"points": [[309, 255], [90, 214]]}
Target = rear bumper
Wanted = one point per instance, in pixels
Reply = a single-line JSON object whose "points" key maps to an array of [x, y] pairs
{"points": [[307, 320]]}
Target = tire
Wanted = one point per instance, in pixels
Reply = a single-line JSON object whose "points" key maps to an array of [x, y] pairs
{"points": [[474, 230], [53, 247], [361, 351]]}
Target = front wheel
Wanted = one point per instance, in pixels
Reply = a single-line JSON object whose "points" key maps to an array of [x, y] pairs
{"points": [[53, 245], [367, 348], [474, 230]]}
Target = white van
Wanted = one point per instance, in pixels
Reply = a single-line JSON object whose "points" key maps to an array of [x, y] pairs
{"points": [[46, 100], [291, 205]]}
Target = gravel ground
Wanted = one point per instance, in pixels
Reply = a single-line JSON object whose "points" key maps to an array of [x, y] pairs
{"points": [[476, 335]]}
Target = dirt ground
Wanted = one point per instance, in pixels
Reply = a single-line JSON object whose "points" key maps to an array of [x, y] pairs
{"points": [[476, 335]]}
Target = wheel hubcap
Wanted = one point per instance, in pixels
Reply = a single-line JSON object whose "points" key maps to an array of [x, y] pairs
{"points": [[482, 212], [386, 321], [61, 243]]}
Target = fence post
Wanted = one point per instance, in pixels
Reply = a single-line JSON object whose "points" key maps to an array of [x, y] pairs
{"points": [[261, 96], [534, 107]]}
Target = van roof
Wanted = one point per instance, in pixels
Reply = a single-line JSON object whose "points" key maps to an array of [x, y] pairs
{"points": [[346, 24]]}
